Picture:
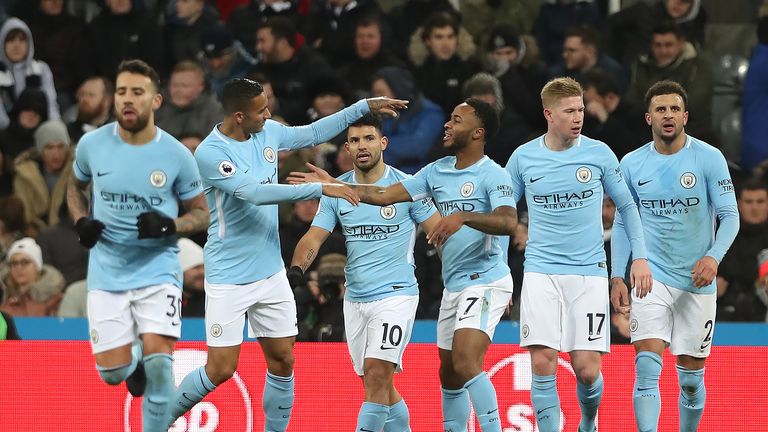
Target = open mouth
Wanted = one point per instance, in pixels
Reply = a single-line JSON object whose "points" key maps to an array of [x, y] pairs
{"points": [[363, 157], [668, 127]]}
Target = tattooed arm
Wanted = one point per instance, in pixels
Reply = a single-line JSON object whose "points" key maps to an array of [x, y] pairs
{"points": [[306, 249], [76, 200], [197, 216]]}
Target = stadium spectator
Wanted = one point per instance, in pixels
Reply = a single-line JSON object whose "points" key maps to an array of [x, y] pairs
{"points": [[19, 71], [74, 304], [95, 98], [61, 248], [611, 118], [479, 17], [755, 110], [738, 270], [123, 30], [407, 17], [30, 288], [555, 18], [61, 41], [412, 133], [513, 130], [184, 28], [673, 58], [371, 54], [582, 53], [28, 113], [42, 173], [193, 294], [442, 55], [13, 224], [188, 107], [224, 58], [514, 60], [323, 302], [290, 67], [246, 19], [330, 27]]}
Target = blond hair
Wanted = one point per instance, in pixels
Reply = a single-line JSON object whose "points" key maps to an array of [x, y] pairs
{"points": [[559, 88]]}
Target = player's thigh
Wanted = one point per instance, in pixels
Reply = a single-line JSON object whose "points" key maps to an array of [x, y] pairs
{"points": [[111, 326], [225, 307], [650, 317], [389, 325], [274, 314], [540, 311], [446, 319], [355, 329], [587, 317], [694, 318], [157, 310]]}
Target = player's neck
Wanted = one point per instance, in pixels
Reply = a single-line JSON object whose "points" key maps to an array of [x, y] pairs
{"points": [[232, 131], [557, 143], [665, 148], [468, 156], [140, 137], [371, 176]]}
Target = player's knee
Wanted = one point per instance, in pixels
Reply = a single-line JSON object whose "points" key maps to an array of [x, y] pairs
{"points": [[281, 365], [221, 373], [588, 374], [465, 365], [114, 376], [377, 377], [544, 365], [691, 383]]}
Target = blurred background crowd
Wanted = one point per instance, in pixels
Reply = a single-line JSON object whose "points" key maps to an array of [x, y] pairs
{"points": [[314, 57]]}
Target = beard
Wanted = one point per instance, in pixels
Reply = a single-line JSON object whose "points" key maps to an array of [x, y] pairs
{"points": [[133, 126], [85, 115], [367, 166]]}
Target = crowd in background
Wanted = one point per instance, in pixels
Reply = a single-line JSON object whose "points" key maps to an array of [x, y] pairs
{"points": [[314, 57]]}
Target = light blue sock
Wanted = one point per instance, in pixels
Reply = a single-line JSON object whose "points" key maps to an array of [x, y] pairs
{"points": [[546, 402], [192, 390], [160, 389], [455, 410], [589, 401], [371, 417], [693, 395], [399, 419], [278, 402], [116, 375], [646, 399], [483, 397]]}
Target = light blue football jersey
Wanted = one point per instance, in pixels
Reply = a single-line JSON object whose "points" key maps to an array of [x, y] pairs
{"points": [[564, 193], [128, 180], [379, 240], [679, 196], [240, 182], [470, 257]]}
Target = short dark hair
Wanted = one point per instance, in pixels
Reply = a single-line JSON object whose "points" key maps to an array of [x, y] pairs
{"points": [[281, 28], [668, 26], [601, 81], [16, 33], [139, 67], [439, 20], [588, 35], [752, 184], [663, 88], [238, 93], [488, 116], [368, 119]]}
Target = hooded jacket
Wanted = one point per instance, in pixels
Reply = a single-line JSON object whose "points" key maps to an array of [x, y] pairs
{"points": [[15, 77], [41, 205], [42, 299]]}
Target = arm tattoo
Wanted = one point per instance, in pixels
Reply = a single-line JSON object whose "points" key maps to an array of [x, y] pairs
{"points": [[195, 220], [76, 200], [308, 260]]}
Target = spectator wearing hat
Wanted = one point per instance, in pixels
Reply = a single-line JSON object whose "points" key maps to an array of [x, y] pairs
{"points": [[28, 113], [19, 70], [514, 60], [95, 98], [42, 173], [245, 20], [29, 288], [188, 108], [290, 66], [225, 58], [184, 27], [193, 294]]}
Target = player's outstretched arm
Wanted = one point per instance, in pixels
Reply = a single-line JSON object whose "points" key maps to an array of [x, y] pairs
{"points": [[502, 221], [369, 194], [197, 217], [386, 106]]}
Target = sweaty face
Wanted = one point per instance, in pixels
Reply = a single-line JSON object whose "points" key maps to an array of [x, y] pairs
{"points": [[460, 127], [252, 120], [186, 87], [667, 117], [442, 42], [566, 117], [365, 145], [135, 99]]}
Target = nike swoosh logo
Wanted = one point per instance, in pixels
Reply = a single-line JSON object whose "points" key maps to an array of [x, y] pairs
{"points": [[534, 180], [396, 287], [492, 411], [434, 188], [465, 317], [544, 409], [383, 348], [284, 408], [591, 339], [175, 324], [365, 430], [187, 397], [642, 389], [345, 213], [100, 174], [704, 346], [642, 183]]}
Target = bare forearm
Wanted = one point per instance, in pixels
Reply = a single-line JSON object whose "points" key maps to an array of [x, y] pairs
{"points": [[305, 253], [382, 196], [496, 223], [194, 221], [76, 201]]}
